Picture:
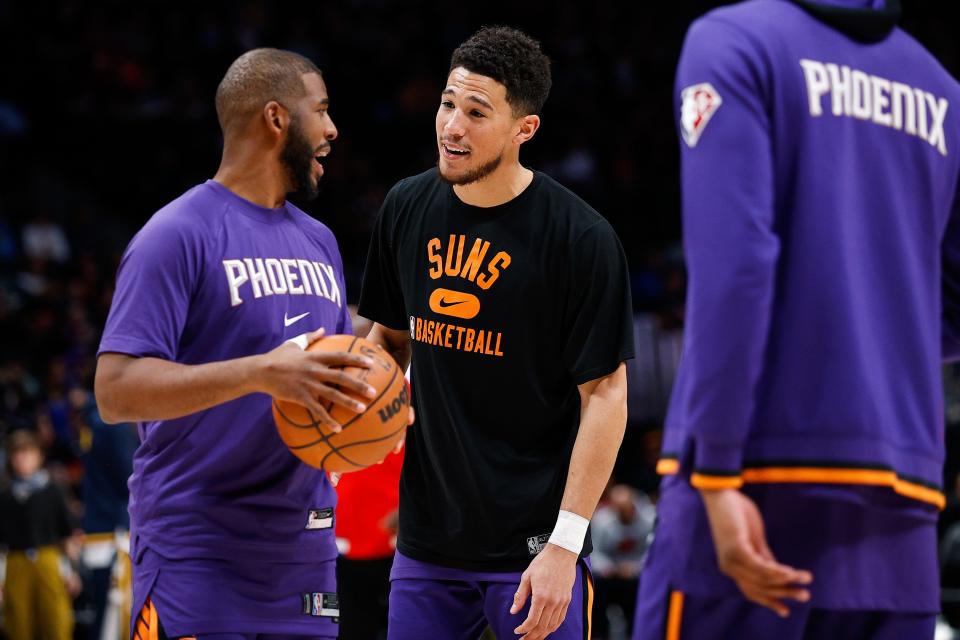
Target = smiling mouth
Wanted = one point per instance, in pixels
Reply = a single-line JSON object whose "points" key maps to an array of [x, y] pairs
{"points": [[455, 152], [319, 155]]}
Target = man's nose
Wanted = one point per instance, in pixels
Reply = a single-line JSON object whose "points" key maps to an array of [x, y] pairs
{"points": [[454, 125]]}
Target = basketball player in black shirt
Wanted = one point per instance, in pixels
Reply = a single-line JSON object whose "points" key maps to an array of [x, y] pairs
{"points": [[513, 296]]}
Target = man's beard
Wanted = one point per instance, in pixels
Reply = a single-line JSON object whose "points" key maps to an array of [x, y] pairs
{"points": [[479, 173], [297, 158]]}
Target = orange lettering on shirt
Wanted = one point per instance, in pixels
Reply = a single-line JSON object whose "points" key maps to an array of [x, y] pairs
{"points": [[438, 334], [478, 347], [433, 246], [447, 259], [441, 334], [456, 243], [486, 281], [475, 259]]}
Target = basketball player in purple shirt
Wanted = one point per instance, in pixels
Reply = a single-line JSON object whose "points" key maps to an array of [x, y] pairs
{"points": [[804, 443], [232, 536]]}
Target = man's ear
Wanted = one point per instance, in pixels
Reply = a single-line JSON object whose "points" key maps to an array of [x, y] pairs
{"points": [[527, 126], [276, 117]]}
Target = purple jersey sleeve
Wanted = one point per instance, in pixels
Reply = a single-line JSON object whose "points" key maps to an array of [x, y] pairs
{"points": [[155, 283], [731, 248]]}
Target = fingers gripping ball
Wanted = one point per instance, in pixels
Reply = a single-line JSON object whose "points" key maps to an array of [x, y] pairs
{"points": [[366, 437]]}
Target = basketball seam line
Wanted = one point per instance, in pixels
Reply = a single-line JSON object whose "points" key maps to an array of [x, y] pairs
{"points": [[315, 425], [326, 439], [334, 448], [323, 437], [329, 406], [337, 450]]}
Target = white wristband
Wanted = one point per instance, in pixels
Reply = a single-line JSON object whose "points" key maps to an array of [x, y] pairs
{"points": [[570, 531], [300, 341]]}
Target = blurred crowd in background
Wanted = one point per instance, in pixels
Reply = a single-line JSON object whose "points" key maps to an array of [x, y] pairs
{"points": [[106, 114]]}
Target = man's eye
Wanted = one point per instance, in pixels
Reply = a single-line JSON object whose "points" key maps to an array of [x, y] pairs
{"points": [[447, 104], [478, 114]]}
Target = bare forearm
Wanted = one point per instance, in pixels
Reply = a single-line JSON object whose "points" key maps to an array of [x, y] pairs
{"points": [[401, 355], [143, 389], [603, 418], [130, 388], [396, 343]]}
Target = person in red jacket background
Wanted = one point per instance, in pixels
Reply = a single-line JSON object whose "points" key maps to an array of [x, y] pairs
{"points": [[366, 537], [366, 529]]}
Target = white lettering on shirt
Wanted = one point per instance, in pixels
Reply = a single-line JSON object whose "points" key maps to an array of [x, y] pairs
{"points": [[887, 103], [236, 276], [259, 277]]}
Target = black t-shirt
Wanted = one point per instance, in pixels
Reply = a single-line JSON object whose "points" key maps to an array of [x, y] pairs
{"points": [[509, 308], [42, 519]]}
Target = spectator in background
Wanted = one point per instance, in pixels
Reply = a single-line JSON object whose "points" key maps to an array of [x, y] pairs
{"points": [[949, 553], [108, 463], [35, 526], [8, 243], [366, 529], [621, 534], [367, 537], [44, 239]]}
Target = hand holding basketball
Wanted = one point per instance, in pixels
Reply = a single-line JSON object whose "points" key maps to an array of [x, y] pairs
{"points": [[314, 379], [365, 428]]}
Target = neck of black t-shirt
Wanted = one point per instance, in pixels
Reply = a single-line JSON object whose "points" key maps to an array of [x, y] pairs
{"points": [[514, 204]]}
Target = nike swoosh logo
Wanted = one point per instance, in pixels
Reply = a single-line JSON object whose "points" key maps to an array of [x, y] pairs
{"points": [[289, 321], [454, 303]]}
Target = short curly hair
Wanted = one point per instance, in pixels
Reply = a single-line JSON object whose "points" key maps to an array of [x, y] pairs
{"points": [[513, 59]]}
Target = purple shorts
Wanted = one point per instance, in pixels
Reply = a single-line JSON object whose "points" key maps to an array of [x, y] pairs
{"points": [[207, 598], [872, 553], [673, 615], [429, 601]]}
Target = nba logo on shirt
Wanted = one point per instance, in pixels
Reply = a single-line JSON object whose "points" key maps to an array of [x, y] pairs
{"points": [[535, 544], [326, 605], [699, 103], [320, 519], [322, 605]]}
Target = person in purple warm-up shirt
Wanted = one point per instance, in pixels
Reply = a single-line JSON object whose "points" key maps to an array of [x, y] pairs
{"points": [[803, 447], [232, 536]]}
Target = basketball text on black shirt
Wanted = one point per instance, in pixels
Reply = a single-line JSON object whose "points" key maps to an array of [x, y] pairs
{"points": [[509, 308]]}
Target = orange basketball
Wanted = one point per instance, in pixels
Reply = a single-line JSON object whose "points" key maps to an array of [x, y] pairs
{"points": [[367, 437]]}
